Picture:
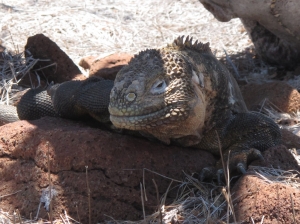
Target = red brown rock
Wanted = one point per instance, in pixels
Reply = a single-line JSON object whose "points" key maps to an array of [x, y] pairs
{"points": [[278, 157], [87, 62], [115, 169], [107, 67], [254, 197], [290, 140], [271, 202], [41, 47], [278, 94]]}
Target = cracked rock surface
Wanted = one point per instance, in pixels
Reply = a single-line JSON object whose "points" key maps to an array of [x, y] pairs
{"points": [[257, 199], [115, 165]]}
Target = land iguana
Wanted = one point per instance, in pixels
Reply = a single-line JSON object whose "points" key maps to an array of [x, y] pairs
{"points": [[178, 94], [182, 94], [270, 24]]}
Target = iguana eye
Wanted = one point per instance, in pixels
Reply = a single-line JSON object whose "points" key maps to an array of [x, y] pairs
{"points": [[159, 86]]}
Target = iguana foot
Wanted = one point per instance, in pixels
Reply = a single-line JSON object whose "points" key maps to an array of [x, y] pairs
{"points": [[235, 159]]}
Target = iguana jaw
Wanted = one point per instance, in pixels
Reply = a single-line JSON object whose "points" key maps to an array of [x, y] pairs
{"points": [[176, 112], [165, 124]]}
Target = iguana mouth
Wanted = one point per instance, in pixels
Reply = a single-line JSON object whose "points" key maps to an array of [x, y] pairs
{"points": [[151, 120]]}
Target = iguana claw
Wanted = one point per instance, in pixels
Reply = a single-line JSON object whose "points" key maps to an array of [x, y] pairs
{"points": [[238, 160], [207, 173]]}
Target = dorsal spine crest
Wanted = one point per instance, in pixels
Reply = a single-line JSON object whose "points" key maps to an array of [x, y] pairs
{"points": [[182, 43]]}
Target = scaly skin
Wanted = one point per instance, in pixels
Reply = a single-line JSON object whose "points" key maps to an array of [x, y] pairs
{"points": [[183, 94], [180, 94], [71, 99], [77, 99], [271, 25]]}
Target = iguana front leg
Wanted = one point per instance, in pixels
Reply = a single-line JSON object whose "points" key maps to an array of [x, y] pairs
{"points": [[238, 158], [241, 141]]}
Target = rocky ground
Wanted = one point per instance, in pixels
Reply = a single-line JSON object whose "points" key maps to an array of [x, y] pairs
{"points": [[110, 177], [97, 172]]}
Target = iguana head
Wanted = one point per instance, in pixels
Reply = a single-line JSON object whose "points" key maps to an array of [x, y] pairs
{"points": [[155, 93]]}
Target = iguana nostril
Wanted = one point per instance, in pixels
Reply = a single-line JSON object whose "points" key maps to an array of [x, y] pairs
{"points": [[130, 96]]}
